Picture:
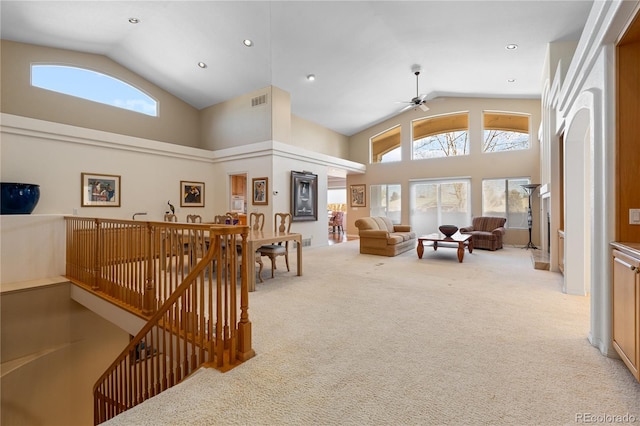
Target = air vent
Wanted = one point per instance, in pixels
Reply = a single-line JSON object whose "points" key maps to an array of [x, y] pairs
{"points": [[306, 242], [259, 100]]}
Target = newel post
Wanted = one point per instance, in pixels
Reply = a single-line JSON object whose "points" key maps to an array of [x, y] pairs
{"points": [[148, 301], [98, 256], [245, 351]]}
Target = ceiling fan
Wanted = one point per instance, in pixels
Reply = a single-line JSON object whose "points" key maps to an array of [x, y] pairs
{"points": [[419, 101]]}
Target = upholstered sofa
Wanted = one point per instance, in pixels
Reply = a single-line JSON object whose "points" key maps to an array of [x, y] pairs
{"points": [[487, 232], [378, 235]]}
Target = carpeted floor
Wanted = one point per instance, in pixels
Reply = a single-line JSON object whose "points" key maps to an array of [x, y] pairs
{"points": [[371, 340]]}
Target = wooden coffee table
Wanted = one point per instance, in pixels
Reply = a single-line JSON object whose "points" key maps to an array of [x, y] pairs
{"points": [[461, 240]]}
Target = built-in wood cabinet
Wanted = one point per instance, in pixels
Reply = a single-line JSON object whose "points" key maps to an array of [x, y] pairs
{"points": [[626, 304]]}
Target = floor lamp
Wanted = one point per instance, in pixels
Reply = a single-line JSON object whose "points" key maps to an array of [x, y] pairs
{"points": [[530, 188]]}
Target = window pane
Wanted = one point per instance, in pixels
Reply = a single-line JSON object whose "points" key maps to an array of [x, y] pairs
{"points": [[499, 140], [385, 147], [393, 155], [505, 131], [436, 203], [518, 203], [93, 86], [386, 200], [442, 145], [506, 198], [494, 198]]}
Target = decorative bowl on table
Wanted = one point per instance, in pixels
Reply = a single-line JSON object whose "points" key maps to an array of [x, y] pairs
{"points": [[19, 198], [448, 230]]}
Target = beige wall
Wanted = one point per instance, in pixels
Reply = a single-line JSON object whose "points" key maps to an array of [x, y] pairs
{"points": [[477, 165], [309, 135], [53, 352], [177, 123], [236, 122], [150, 172]]}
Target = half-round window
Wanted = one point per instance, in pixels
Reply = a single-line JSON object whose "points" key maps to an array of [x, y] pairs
{"points": [[93, 86]]}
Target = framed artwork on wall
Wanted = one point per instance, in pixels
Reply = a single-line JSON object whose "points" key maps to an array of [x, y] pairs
{"points": [[304, 196], [358, 195], [260, 191], [191, 194], [100, 190]]}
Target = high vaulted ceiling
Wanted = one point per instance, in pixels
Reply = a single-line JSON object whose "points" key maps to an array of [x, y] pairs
{"points": [[361, 52]]}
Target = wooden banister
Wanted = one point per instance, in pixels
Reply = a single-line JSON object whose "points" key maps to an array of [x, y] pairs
{"points": [[164, 271]]}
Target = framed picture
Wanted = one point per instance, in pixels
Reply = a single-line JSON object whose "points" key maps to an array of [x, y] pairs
{"points": [[260, 191], [359, 195], [304, 196], [100, 190], [191, 194]]}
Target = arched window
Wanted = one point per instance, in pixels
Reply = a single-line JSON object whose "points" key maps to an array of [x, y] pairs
{"points": [[441, 136], [93, 86], [505, 132], [385, 147]]}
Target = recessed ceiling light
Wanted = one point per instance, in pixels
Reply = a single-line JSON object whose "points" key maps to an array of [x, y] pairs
{"points": [[202, 65], [311, 77], [134, 20], [511, 46], [511, 80], [247, 42]]}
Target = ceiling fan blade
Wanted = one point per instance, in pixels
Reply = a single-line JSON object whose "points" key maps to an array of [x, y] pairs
{"points": [[424, 107]]}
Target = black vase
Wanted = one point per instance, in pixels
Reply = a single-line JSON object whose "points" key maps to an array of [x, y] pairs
{"points": [[19, 198]]}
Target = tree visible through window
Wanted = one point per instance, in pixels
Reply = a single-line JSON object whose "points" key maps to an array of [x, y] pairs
{"points": [[505, 132], [93, 86], [506, 198], [442, 136]]}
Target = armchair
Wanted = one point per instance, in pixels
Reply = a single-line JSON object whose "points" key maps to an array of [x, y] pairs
{"points": [[487, 232]]}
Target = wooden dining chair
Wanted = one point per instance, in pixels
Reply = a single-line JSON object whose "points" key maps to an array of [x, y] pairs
{"points": [[282, 223], [194, 218], [234, 218], [197, 246], [256, 223], [220, 219], [170, 217]]}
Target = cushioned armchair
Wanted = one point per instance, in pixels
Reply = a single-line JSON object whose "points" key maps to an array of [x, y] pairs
{"points": [[487, 232], [378, 235]]}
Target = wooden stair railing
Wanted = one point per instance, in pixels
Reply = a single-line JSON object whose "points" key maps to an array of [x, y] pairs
{"points": [[196, 325]]}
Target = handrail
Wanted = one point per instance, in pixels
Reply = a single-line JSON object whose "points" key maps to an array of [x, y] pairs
{"points": [[196, 324]]}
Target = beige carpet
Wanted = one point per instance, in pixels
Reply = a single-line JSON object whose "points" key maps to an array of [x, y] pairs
{"points": [[370, 340]]}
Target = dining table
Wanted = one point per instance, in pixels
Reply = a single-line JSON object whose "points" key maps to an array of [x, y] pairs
{"points": [[257, 238]]}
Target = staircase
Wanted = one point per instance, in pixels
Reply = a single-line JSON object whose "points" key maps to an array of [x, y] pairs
{"points": [[182, 280]]}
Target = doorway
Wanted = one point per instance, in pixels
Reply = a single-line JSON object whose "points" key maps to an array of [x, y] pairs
{"points": [[238, 196]]}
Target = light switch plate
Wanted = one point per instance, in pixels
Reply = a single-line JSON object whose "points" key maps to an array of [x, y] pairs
{"points": [[634, 216]]}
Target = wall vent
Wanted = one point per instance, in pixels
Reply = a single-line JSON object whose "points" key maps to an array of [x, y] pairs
{"points": [[259, 100], [306, 242]]}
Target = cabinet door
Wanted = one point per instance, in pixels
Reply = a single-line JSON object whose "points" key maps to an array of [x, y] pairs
{"points": [[626, 309]]}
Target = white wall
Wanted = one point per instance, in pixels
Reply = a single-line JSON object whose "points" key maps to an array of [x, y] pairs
{"points": [[585, 113]]}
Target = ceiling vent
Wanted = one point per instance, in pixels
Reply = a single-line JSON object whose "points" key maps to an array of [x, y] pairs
{"points": [[259, 100]]}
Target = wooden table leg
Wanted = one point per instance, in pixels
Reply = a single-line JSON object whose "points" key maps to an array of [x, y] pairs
{"points": [[299, 254], [460, 251], [420, 249], [470, 245], [251, 267]]}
